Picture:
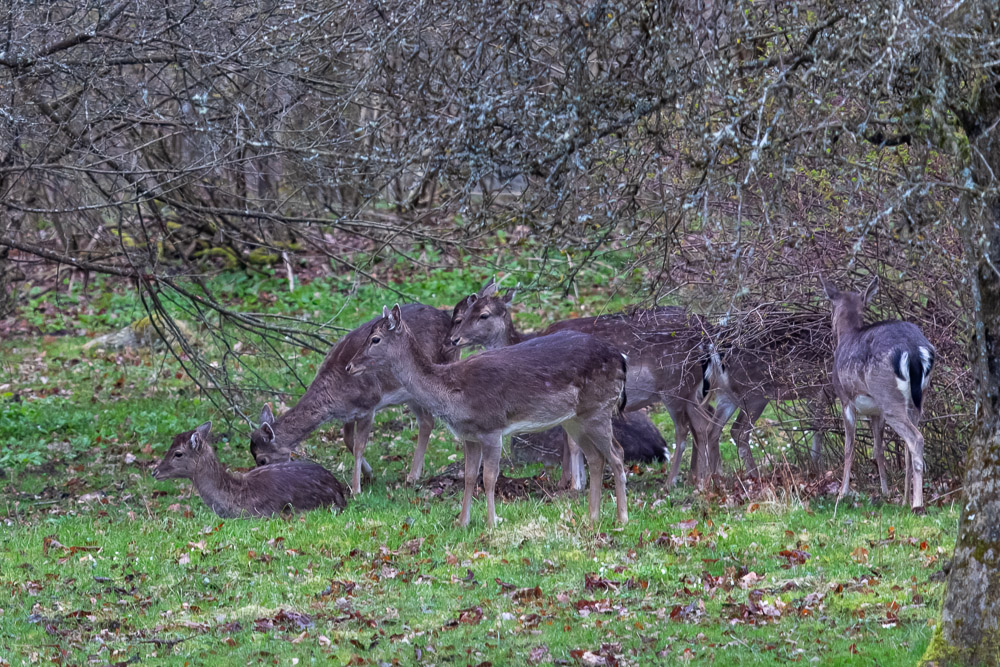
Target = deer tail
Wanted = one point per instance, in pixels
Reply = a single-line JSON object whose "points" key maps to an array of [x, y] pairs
{"points": [[913, 371], [713, 372]]}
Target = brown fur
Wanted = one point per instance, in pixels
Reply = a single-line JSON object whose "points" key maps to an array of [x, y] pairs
{"points": [[570, 379], [665, 349], [264, 491], [354, 400]]}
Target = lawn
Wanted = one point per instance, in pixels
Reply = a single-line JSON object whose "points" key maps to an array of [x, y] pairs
{"points": [[100, 564]]}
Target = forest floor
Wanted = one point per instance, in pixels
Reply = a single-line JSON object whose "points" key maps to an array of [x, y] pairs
{"points": [[100, 564]]}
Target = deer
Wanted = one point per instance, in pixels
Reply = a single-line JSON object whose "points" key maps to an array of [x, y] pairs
{"points": [[569, 379], [881, 371], [664, 345], [641, 441], [263, 491], [768, 368], [354, 399]]}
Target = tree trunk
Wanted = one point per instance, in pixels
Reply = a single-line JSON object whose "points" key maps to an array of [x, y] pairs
{"points": [[969, 631]]}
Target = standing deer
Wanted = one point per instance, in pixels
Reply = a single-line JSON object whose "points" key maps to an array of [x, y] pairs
{"points": [[266, 490], [354, 399], [880, 371], [781, 360], [568, 379], [664, 346]]}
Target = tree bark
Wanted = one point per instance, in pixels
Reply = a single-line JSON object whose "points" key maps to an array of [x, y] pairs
{"points": [[969, 631]]}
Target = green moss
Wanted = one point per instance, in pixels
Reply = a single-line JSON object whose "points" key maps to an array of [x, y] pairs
{"points": [[224, 253], [939, 651], [262, 257]]}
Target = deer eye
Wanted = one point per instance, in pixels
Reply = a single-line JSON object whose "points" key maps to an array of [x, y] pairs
{"points": [[484, 316], [457, 320], [177, 455], [376, 340]]}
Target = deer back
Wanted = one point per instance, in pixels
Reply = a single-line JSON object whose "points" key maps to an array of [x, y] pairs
{"points": [[888, 361], [666, 349]]}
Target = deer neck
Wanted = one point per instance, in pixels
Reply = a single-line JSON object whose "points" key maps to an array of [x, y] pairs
{"points": [[217, 486], [846, 322], [419, 375], [321, 402], [511, 336]]}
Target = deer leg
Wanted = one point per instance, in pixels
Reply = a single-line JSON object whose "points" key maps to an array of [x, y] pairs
{"points": [[849, 429], [915, 450], [572, 465], [878, 450], [425, 423], [492, 445], [366, 470], [362, 429], [713, 424], [908, 475], [680, 436], [617, 460], [702, 465], [594, 438], [473, 457]]}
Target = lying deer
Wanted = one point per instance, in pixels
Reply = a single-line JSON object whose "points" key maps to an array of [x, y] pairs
{"points": [[354, 399], [641, 441], [664, 346], [880, 371], [568, 379], [267, 490]]}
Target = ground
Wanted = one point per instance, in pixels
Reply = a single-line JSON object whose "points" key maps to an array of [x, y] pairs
{"points": [[100, 564]]}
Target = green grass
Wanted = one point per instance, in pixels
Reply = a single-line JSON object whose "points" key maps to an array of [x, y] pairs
{"points": [[101, 564]]}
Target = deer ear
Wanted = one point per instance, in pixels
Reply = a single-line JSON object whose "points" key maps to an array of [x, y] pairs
{"points": [[200, 435], [471, 299], [397, 315], [828, 287], [268, 432], [489, 289], [266, 415], [871, 291], [508, 297]]}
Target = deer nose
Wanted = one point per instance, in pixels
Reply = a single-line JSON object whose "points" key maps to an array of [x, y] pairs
{"points": [[262, 460], [456, 341]]}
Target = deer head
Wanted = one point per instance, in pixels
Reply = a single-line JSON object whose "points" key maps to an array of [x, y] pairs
{"points": [[848, 307], [482, 318], [187, 455], [383, 343], [263, 446]]}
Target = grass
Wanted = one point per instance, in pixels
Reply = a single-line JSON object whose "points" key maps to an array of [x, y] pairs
{"points": [[101, 564]]}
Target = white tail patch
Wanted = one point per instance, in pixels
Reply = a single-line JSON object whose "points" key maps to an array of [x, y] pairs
{"points": [[927, 361], [903, 374], [716, 371]]}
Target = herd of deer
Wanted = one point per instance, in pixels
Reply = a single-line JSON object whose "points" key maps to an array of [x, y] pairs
{"points": [[578, 374]]}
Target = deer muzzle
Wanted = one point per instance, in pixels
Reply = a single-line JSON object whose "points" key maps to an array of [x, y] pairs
{"points": [[354, 369]]}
